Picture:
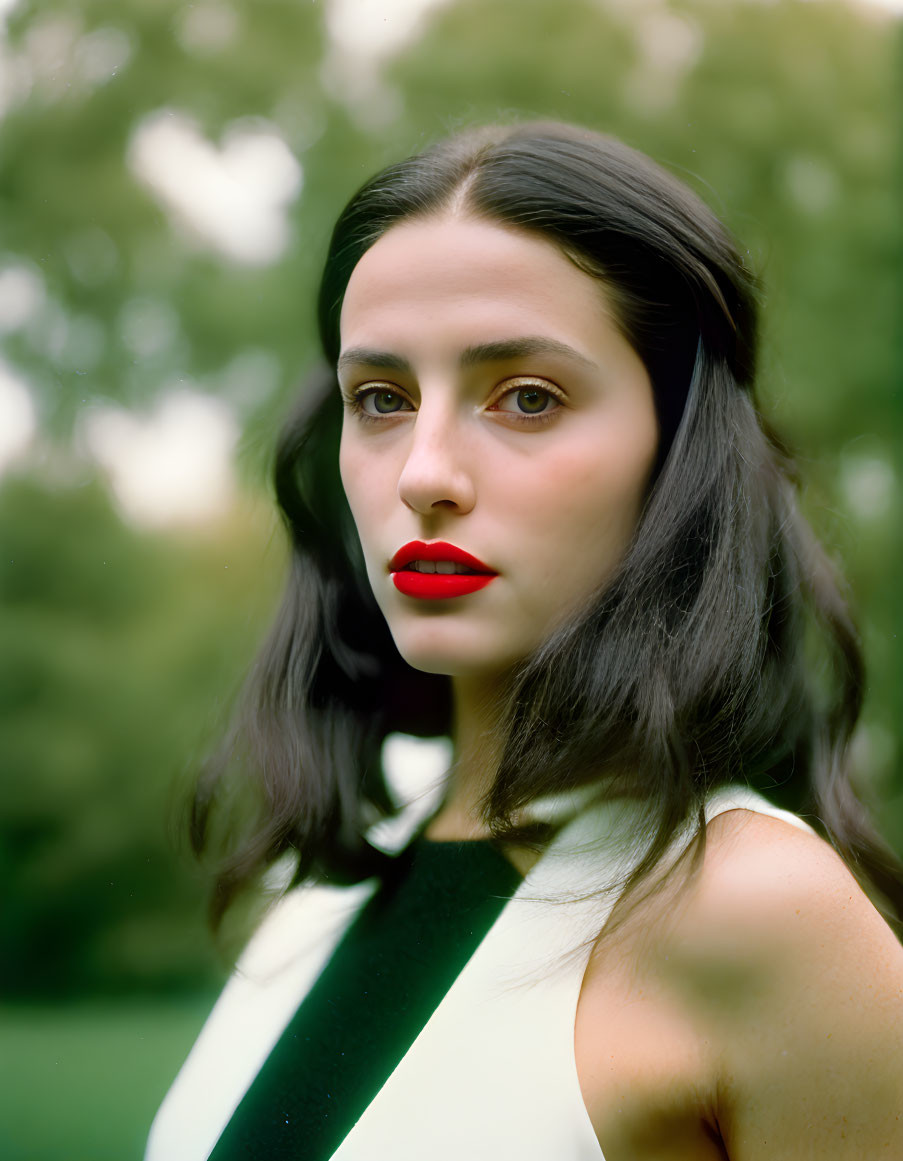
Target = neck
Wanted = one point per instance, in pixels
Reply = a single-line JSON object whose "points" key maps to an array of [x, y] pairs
{"points": [[477, 752]]}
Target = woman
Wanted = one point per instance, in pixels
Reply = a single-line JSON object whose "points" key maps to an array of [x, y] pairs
{"points": [[552, 525]]}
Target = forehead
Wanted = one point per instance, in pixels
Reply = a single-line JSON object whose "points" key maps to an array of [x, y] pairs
{"points": [[450, 274]]}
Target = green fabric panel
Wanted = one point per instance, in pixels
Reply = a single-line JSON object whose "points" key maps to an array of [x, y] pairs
{"points": [[385, 979]]}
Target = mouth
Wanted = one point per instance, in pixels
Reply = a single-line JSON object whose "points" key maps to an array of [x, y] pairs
{"points": [[437, 570]]}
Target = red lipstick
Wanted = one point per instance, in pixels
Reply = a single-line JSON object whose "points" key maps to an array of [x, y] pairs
{"points": [[437, 585]]}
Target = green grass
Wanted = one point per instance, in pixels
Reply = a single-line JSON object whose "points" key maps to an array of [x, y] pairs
{"points": [[82, 1082]]}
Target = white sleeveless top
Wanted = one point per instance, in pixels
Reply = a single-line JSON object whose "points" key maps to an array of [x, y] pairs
{"points": [[492, 1074]]}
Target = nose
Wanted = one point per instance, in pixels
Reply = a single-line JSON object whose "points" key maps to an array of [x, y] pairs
{"points": [[436, 474]]}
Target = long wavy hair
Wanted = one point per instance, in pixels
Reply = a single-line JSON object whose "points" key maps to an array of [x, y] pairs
{"points": [[721, 651]]}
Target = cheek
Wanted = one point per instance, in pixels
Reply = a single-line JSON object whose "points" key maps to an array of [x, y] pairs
{"points": [[579, 504], [583, 483], [370, 482], [346, 470], [359, 474], [356, 475], [353, 473]]}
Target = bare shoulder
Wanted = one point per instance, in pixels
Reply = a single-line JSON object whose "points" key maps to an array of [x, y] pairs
{"points": [[780, 958], [763, 889], [752, 1008], [761, 877]]}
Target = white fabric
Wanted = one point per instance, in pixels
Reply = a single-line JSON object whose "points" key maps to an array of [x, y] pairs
{"points": [[492, 1074]]}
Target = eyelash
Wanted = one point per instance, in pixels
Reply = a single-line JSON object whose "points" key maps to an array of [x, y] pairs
{"points": [[354, 402]]}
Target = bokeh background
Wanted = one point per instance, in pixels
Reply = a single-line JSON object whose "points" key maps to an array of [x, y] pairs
{"points": [[169, 173]]}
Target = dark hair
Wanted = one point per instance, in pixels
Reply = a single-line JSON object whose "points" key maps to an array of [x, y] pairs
{"points": [[720, 651]]}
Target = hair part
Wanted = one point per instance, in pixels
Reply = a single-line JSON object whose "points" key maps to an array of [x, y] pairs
{"points": [[721, 651]]}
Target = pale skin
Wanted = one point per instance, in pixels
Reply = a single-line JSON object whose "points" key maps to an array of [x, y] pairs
{"points": [[755, 1009]]}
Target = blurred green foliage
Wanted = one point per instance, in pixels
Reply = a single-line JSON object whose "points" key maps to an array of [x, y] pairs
{"points": [[120, 649], [114, 661]]}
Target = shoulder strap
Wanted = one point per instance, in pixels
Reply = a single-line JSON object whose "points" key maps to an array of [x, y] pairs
{"points": [[736, 797]]}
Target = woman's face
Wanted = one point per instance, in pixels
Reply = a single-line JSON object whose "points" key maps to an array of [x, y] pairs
{"points": [[502, 413]]}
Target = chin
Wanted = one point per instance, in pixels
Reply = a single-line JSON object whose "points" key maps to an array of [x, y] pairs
{"points": [[457, 658]]}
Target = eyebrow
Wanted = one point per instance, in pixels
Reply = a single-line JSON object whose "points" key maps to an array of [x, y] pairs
{"points": [[496, 352]]}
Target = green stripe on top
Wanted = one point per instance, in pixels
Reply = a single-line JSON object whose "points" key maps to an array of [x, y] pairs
{"points": [[384, 981]]}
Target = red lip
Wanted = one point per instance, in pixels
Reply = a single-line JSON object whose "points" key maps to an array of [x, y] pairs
{"points": [[436, 550], [437, 586]]}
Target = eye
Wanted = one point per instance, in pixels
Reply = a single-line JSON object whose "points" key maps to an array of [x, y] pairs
{"points": [[385, 401], [528, 400]]}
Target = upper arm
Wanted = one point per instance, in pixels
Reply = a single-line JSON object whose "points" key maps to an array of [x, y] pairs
{"points": [[799, 982]]}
